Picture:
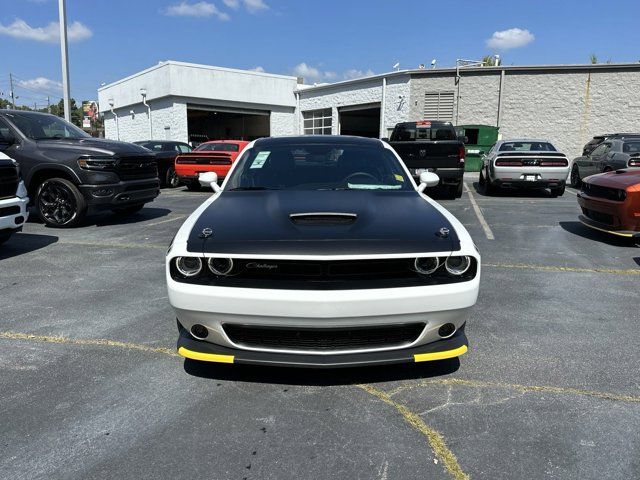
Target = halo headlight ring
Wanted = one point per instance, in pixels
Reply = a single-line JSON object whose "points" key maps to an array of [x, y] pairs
{"points": [[426, 265], [189, 266], [457, 265], [220, 266]]}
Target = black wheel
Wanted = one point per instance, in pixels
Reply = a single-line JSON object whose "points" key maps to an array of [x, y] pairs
{"points": [[575, 177], [557, 192], [458, 190], [128, 210], [193, 187], [171, 179], [482, 181], [489, 187], [60, 204], [4, 236]]}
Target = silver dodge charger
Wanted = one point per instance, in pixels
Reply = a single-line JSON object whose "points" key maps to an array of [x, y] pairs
{"points": [[524, 163]]}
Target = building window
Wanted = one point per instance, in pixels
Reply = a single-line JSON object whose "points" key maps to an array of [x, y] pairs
{"points": [[438, 106], [317, 122]]}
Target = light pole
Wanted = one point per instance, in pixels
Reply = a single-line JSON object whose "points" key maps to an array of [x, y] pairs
{"points": [[65, 60]]}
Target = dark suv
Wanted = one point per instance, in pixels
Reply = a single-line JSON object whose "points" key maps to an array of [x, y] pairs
{"points": [[66, 171]]}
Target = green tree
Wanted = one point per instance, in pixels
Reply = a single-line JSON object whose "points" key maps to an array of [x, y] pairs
{"points": [[593, 58], [488, 61]]}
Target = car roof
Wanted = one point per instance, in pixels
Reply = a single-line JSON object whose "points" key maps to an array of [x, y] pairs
{"points": [[25, 112], [523, 140], [318, 139]]}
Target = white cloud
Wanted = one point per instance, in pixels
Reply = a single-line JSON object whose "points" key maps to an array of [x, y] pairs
{"points": [[232, 3], [511, 38], [354, 73], [41, 84], [257, 69], [313, 74], [199, 9], [254, 6], [76, 31]]}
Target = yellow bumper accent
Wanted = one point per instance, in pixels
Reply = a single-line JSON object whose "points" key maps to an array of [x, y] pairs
{"points": [[429, 357], [205, 357], [612, 232]]}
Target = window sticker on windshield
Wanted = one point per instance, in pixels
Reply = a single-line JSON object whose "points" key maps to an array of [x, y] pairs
{"points": [[399, 178], [260, 159]]}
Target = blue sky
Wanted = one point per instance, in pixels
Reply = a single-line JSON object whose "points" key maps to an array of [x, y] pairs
{"points": [[325, 40]]}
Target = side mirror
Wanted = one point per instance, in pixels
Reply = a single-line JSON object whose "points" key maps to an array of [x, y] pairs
{"points": [[428, 179], [464, 139], [385, 139], [210, 179]]}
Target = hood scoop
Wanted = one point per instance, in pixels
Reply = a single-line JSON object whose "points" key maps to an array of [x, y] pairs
{"points": [[323, 218]]}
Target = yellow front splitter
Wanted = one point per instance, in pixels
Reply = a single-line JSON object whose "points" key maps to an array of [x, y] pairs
{"points": [[205, 357], [430, 357]]}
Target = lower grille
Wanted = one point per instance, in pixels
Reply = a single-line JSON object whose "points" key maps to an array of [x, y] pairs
{"points": [[599, 191], [326, 339], [600, 217], [8, 181]]}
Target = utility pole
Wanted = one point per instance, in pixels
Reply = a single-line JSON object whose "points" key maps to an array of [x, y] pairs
{"points": [[13, 97], [66, 91], [48, 105]]}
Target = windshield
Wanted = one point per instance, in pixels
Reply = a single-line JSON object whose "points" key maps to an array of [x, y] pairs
{"points": [[527, 147], [45, 127], [217, 147], [318, 167]]}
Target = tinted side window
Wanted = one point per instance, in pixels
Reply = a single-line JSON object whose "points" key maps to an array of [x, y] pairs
{"points": [[6, 135]]}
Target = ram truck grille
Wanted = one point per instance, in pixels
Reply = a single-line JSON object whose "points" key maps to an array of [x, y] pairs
{"points": [[324, 339], [9, 180], [134, 168]]}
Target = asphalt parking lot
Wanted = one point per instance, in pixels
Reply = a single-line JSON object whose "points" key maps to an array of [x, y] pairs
{"points": [[92, 388]]}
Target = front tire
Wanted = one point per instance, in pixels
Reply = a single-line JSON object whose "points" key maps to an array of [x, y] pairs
{"points": [[60, 204], [456, 190], [575, 177], [558, 191]]}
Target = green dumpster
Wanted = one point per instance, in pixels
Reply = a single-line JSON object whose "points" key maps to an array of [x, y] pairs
{"points": [[480, 139]]}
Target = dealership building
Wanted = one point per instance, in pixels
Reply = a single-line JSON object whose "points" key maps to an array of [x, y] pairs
{"points": [[567, 104]]}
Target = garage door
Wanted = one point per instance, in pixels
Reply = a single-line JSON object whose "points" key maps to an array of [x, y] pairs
{"points": [[226, 123], [360, 120]]}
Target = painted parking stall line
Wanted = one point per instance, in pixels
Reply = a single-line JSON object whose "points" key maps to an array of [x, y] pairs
{"points": [[485, 226]]}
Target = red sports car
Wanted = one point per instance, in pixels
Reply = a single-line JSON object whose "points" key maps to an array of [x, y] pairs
{"points": [[215, 156], [610, 202]]}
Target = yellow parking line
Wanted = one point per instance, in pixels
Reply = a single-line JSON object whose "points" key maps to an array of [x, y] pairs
{"points": [[179, 217], [481, 219], [522, 388], [555, 268], [435, 439]]}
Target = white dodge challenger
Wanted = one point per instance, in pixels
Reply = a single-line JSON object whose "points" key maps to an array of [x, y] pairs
{"points": [[320, 251]]}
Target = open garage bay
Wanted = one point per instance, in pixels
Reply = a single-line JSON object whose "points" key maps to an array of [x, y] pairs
{"points": [[92, 386]]}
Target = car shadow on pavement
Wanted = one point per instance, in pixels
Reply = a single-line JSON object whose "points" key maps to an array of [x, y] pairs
{"points": [[514, 192], [21, 243], [107, 218], [320, 376], [577, 228]]}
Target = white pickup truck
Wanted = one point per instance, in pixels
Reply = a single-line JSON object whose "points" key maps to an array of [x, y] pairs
{"points": [[13, 199]]}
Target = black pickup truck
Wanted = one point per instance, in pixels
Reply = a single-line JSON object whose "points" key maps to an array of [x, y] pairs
{"points": [[431, 145], [66, 171]]}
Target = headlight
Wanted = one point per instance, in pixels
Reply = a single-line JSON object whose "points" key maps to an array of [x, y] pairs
{"points": [[22, 190], [189, 266], [427, 265], [457, 265], [97, 163], [220, 266]]}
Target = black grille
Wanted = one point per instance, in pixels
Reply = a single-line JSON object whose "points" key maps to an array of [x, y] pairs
{"points": [[600, 217], [324, 339], [8, 181], [608, 193], [326, 275], [6, 211], [133, 168]]}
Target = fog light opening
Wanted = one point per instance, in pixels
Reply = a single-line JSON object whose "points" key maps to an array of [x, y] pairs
{"points": [[447, 330], [199, 331]]}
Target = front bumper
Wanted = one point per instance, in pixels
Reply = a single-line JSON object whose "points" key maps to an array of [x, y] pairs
{"points": [[614, 217], [193, 349], [529, 177], [123, 193], [191, 175], [13, 213]]}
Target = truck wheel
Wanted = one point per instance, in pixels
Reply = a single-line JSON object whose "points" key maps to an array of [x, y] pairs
{"points": [[60, 204], [458, 190], [193, 186], [128, 210], [575, 177], [171, 179]]}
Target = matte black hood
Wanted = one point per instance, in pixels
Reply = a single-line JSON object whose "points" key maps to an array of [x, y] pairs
{"points": [[98, 146], [258, 222]]}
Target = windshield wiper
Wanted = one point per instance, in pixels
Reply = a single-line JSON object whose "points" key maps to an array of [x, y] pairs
{"points": [[252, 188]]}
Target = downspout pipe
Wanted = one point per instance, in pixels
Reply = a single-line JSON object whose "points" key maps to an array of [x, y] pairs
{"points": [[382, 106], [115, 115], [144, 102]]}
